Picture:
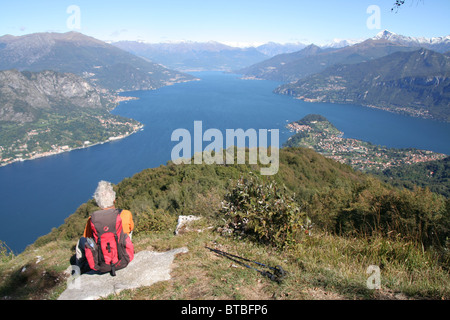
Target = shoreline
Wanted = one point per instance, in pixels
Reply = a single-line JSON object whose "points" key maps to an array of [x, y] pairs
{"points": [[404, 111], [61, 150], [120, 99], [361, 155]]}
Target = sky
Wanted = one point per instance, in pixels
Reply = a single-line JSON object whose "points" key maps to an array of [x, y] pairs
{"points": [[240, 23]]}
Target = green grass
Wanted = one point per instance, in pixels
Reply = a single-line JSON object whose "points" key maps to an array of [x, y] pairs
{"points": [[320, 266]]}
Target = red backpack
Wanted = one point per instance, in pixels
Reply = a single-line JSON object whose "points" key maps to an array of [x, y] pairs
{"points": [[111, 249]]}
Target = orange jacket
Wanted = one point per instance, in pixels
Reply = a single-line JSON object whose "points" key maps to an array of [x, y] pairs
{"points": [[127, 224]]}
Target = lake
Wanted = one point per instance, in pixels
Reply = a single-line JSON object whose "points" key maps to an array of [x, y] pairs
{"points": [[37, 195]]}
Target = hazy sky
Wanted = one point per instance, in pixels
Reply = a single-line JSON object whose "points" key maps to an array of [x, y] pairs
{"points": [[242, 22]]}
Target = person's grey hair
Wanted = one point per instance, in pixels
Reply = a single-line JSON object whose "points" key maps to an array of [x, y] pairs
{"points": [[105, 195]]}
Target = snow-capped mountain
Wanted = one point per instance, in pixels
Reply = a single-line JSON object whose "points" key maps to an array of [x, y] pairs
{"points": [[341, 43], [439, 44]]}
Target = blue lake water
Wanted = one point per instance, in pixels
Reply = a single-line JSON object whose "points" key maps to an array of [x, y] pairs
{"points": [[37, 195]]}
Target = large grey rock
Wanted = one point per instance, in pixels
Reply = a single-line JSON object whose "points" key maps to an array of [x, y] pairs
{"points": [[146, 269], [22, 94]]}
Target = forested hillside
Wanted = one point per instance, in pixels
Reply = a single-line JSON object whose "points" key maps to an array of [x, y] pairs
{"points": [[434, 175]]}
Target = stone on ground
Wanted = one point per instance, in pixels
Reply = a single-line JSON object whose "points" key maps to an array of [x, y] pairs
{"points": [[146, 269]]}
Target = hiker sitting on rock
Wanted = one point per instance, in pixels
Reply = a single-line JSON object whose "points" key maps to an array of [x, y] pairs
{"points": [[106, 243]]}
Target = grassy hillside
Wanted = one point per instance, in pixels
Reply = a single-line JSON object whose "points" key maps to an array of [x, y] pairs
{"points": [[321, 220]]}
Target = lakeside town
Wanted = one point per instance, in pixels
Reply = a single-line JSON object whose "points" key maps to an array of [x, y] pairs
{"points": [[409, 111], [319, 134], [28, 148]]}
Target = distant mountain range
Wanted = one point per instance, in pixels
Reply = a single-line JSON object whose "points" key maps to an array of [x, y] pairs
{"points": [[439, 44], [389, 71], [271, 49], [293, 66], [100, 63], [208, 56], [415, 83], [341, 43], [194, 56], [205, 56], [213, 56], [313, 59]]}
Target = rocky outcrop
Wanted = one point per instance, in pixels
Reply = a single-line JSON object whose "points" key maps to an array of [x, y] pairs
{"points": [[23, 94], [146, 269], [184, 222]]}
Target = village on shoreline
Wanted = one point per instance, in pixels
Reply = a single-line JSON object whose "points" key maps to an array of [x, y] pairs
{"points": [[65, 148], [321, 136], [23, 153]]}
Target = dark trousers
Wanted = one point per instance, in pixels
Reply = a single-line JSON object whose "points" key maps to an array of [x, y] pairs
{"points": [[80, 258]]}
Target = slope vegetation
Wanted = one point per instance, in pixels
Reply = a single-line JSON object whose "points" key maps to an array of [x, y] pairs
{"points": [[321, 220]]}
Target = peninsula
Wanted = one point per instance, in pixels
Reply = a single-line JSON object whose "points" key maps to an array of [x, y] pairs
{"points": [[47, 113], [317, 133], [29, 147]]}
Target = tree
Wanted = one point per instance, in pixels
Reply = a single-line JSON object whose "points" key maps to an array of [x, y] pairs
{"points": [[398, 4]]}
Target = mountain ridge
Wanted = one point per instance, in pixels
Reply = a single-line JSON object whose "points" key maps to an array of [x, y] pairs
{"points": [[314, 206], [294, 66], [196, 56], [407, 82], [101, 63], [439, 44]]}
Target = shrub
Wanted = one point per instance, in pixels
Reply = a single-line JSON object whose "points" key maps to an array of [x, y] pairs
{"points": [[264, 212], [158, 220], [371, 208], [6, 253]]}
